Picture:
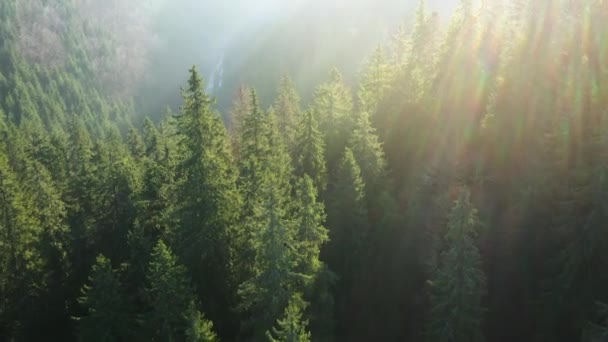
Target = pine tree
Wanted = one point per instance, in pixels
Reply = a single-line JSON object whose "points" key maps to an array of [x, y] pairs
{"points": [[21, 263], [370, 156], [266, 292], [107, 318], [207, 197], [347, 222], [47, 208], [255, 150], [135, 143], [309, 151], [268, 242], [347, 219], [333, 109], [241, 107], [375, 82], [170, 296], [287, 108], [118, 184], [458, 283], [200, 329], [292, 328], [311, 235], [264, 164]]}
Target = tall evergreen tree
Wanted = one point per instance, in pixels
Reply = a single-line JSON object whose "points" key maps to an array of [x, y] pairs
{"points": [[348, 232], [107, 316], [173, 315], [375, 82], [287, 109], [271, 283], [241, 107], [311, 235], [309, 151], [20, 258], [370, 156], [208, 200], [333, 109], [347, 219], [458, 283]]}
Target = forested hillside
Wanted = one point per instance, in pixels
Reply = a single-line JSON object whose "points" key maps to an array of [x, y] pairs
{"points": [[458, 192]]}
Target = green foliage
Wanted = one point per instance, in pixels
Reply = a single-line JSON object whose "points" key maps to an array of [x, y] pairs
{"points": [[458, 284], [347, 219], [287, 109], [291, 328], [207, 201], [200, 329], [508, 101], [309, 151], [311, 234], [107, 316], [332, 105], [170, 296]]}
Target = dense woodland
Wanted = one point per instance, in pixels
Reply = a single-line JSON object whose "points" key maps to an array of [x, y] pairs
{"points": [[457, 192]]}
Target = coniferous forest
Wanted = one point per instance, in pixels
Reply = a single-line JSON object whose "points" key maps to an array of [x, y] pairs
{"points": [[454, 190]]}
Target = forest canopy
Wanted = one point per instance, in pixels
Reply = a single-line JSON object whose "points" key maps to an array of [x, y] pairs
{"points": [[449, 186]]}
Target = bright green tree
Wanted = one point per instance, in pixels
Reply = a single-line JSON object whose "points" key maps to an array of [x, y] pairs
{"points": [[375, 83], [207, 203], [333, 108], [369, 154], [309, 151], [287, 108], [241, 107], [21, 263], [311, 234], [292, 327], [173, 315]]}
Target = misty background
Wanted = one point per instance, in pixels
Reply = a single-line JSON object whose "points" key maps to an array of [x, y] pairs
{"points": [[254, 42]]}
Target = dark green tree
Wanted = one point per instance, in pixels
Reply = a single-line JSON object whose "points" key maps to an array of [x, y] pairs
{"points": [[347, 220], [458, 284], [208, 203], [173, 312], [107, 316]]}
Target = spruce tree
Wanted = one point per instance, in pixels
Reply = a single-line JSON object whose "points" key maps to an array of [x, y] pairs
{"points": [[21, 263], [348, 231], [173, 305], [136, 144], [287, 108], [208, 203], [309, 151], [311, 234], [241, 107], [375, 82], [370, 156], [292, 328], [458, 283], [347, 220], [333, 108], [265, 293], [107, 317]]}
